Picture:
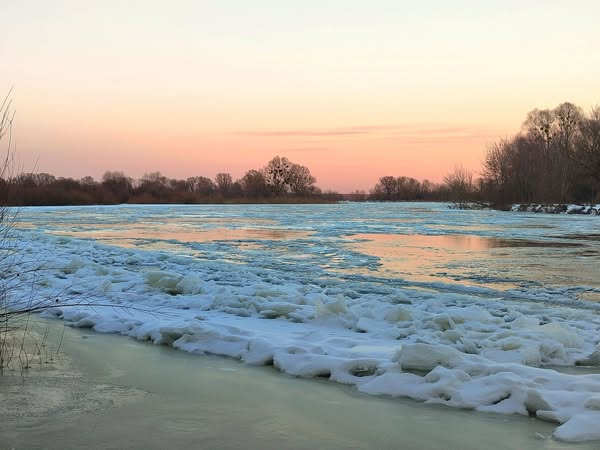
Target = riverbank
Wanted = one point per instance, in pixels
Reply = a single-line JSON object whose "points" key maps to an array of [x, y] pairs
{"points": [[557, 208], [152, 397]]}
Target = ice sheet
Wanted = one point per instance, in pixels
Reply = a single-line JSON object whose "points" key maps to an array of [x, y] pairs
{"points": [[300, 287]]}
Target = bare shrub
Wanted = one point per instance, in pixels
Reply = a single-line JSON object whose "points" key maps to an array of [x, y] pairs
{"points": [[460, 186]]}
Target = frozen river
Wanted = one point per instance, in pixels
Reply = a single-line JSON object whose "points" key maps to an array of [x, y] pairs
{"points": [[413, 243], [482, 310]]}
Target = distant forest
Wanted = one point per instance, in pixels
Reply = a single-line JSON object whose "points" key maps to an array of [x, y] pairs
{"points": [[280, 181], [554, 158]]}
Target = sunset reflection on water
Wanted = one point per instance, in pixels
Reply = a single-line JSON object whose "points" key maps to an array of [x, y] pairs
{"points": [[450, 258], [176, 237], [185, 235], [392, 243]]}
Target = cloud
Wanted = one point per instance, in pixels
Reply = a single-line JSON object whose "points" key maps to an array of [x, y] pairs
{"points": [[301, 133], [444, 131], [307, 149], [411, 132]]}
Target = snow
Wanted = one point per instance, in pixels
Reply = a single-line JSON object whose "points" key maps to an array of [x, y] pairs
{"points": [[557, 208], [312, 303]]}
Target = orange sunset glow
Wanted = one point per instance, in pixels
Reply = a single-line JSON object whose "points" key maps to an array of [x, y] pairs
{"points": [[354, 90]]}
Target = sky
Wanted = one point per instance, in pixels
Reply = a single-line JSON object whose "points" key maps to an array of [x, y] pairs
{"points": [[354, 90]]}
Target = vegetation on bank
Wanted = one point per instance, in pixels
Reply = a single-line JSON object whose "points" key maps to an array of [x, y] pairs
{"points": [[22, 338], [11, 349], [280, 181], [22, 342], [555, 158]]}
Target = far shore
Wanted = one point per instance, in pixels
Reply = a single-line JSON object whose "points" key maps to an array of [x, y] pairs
{"points": [[544, 208]]}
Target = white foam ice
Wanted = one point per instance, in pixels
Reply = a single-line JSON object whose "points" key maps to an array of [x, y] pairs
{"points": [[313, 306]]}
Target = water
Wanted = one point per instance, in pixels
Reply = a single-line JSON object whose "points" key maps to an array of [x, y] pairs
{"points": [[413, 242], [150, 397]]}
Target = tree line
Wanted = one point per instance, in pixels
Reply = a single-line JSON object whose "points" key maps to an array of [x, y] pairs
{"points": [[554, 158], [280, 180], [403, 188]]}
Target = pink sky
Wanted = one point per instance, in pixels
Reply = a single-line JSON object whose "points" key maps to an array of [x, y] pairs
{"points": [[354, 90]]}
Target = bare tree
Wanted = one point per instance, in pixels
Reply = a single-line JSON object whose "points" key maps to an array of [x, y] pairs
{"points": [[6, 120], [201, 185], [285, 177], [253, 184], [118, 184], [385, 189], [300, 181], [276, 174], [460, 185], [568, 118], [154, 183], [7, 252], [587, 151], [541, 126], [224, 183], [556, 158]]}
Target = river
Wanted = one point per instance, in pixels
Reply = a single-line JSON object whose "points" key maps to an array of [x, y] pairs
{"points": [[472, 312]]}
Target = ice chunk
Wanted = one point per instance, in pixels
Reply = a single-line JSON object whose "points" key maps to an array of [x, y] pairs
{"points": [[74, 266], [337, 307], [259, 352], [425, 357], [278, 309], [592, 360], [535, 402], [165, 281], [593, 402], [398, 314], [581, 427], [472, 313], [561, 333], [305, 364], [189, 285]]}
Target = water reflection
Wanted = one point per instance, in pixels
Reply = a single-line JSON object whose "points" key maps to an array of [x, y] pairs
{"points": [[424, 243], [172, 232], [463, 259], [460, 242]]}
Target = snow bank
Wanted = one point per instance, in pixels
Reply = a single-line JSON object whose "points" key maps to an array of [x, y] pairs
{"points": [[557, 208], [462, 348]]}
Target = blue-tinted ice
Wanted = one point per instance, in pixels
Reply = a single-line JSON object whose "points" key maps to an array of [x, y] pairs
{"points": [[472, 309]]}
